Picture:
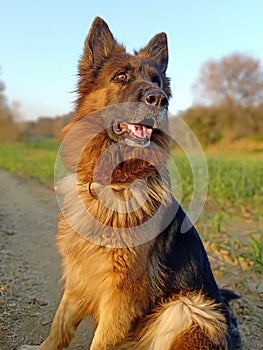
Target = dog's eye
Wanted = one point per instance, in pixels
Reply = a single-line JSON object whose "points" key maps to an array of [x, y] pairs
{"points": [[121, 77], [156, 80]]}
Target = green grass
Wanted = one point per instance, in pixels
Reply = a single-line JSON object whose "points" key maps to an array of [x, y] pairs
{"points": [[236, 179], [34, 159], [253, 252]]}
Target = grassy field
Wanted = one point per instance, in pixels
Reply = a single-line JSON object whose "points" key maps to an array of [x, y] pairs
{"points": [[235, 178], [230, 225], [235, 185], [34, 159]]}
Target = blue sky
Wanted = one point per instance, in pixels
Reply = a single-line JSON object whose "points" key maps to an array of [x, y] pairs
{"points": [[41, 42]]}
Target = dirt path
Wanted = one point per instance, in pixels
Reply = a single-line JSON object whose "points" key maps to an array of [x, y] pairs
{"points": [[30, 266], [30, 269]]}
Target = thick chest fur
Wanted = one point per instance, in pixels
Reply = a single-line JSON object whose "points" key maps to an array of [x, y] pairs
{"points": [[104, 276]]}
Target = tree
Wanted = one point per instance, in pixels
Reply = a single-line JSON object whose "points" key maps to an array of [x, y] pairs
{"points": [[8, 130], [206, 123], [3, 104], [234, 82], [4, 110]]}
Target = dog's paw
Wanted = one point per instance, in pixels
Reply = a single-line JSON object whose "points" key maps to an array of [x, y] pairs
{"points": [[28, 347]]}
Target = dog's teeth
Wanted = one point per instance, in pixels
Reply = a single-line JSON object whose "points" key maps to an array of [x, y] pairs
{"points": [[138, 130], [147, 132], [133, 129]]}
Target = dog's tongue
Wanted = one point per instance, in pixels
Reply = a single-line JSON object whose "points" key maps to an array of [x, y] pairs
{"points": [[138, 130]]}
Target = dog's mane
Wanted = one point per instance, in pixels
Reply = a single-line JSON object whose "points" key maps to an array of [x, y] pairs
{"points": [[85, 142], [104, 172]]}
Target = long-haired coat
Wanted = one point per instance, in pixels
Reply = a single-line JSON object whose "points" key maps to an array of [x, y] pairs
{"points": [[130, 256]]}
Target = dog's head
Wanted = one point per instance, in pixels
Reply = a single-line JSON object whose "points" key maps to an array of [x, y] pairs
{"points": [[108, 75], [118, 139], [121, 110]]}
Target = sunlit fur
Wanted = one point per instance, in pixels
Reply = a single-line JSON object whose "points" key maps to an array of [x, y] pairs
{"points": [[184, 322], [159, 295]]}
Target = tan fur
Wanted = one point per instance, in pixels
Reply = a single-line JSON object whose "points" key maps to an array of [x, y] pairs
{"points": [[91, 208], [115, 202], [176, 319]]}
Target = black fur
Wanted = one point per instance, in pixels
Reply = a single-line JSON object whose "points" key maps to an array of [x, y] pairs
{"points": [[186, 267]]}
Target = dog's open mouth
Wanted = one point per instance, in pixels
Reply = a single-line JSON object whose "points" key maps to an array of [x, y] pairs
{"points": [[136, 134]]}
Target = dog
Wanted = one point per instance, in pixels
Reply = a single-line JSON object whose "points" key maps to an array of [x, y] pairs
{"points": [[130, 256]]}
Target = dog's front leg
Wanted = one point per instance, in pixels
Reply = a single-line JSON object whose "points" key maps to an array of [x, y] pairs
{"points": [[67, 318], [113, 326]]}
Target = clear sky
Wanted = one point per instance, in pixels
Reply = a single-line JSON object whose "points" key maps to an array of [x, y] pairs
{"points": [[41, 42]]}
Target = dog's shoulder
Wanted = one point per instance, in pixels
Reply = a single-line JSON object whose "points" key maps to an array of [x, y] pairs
{"points": [[180, 253]]}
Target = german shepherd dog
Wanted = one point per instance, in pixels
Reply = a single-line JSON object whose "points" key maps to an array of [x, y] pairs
{"points": [[131, 258]]}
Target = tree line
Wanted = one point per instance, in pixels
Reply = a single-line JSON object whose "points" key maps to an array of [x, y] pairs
{"points": [[12, 128], [7, 132], [228, 105], [228, 100]]}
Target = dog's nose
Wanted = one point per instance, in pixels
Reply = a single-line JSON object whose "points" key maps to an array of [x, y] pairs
{"points": [[156, 98]]}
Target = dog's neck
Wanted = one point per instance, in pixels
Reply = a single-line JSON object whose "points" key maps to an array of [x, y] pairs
{"points": [[114, 215]]}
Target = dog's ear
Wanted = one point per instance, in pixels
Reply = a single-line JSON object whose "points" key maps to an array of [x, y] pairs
{"points": [[98, 46], [157, 49]]}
